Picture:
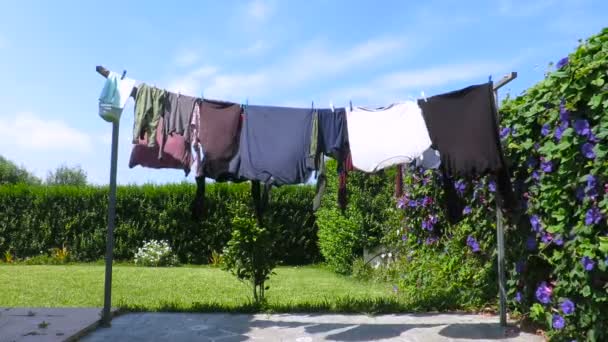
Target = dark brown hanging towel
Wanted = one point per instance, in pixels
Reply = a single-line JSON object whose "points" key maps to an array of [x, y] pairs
{"points": [[219, 137], [463, 128]]}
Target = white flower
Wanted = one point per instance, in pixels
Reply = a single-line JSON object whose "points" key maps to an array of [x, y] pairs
{"points": [[390, 255], [383, 256]]}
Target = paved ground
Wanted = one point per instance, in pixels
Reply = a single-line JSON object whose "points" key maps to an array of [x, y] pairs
{"points": [[305, 328], [45, 324]]}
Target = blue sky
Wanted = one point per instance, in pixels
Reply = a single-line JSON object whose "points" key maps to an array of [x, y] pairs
{"points": [[264, 51]]}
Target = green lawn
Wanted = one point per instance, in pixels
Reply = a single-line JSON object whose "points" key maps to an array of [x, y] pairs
{"points": [[190, 288]]}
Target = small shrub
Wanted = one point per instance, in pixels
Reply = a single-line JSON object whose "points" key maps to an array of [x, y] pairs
{"points": [[156, 254], [249, 254], [8, 257], [41, 259], [60, 255], [216, 259], [362, 270]]}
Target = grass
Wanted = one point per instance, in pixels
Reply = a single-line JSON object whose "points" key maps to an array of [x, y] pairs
{"points": [[191, 288]]}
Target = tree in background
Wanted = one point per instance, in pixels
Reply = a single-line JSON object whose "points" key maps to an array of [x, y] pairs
{"points": [[10, 173], [65, 175]]}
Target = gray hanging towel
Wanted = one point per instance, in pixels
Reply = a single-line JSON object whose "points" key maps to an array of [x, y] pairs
{"points": [[275, 145], [177, 114]]}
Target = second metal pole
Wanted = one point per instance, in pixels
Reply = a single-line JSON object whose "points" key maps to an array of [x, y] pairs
{"points": [[107, 298]]}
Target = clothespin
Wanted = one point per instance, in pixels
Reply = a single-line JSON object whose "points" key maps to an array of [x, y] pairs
{"points": [[331, 105], [423, 96], [351, 105], [124, 73]]}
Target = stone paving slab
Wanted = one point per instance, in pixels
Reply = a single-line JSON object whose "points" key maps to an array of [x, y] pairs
{"points": [[306, 328], [45, 324]]}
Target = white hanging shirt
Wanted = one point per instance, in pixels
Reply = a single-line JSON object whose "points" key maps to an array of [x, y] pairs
{"points": [[386, 136], [114, 96]]}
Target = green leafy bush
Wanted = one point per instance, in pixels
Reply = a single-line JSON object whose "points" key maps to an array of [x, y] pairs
{"points": [[250, 254], [37, 218], [156, 254], [344, 235], [556, 136]]}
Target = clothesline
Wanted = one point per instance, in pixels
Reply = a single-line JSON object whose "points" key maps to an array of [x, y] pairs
{"points": [[281, 145], [503, 81]]}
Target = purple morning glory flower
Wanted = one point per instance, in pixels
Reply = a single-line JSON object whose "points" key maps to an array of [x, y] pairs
{"points": [[545, 130], [467, 210], [430, 240], [593, 216], [531, 243], [587, 150], [588, 263], [546, 238], [519, 266], [426, 201], [433, 219], [426, 225], [582, 127], [504, 133], [518, 297], [473, 244], [558, 322], [592, 138], [559, 131], [402, 202], [460, 187], [543, 293], [558, 240], [562, 63], [492, 186], [591, 181], [547, 166], [404, 238], [564, 114], [535, 175], [567, 306], [580, 194], [425, 180], [413, 203], [536, 224]]}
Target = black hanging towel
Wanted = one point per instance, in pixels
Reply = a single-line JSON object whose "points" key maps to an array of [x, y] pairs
{"points": [[463, 127]]}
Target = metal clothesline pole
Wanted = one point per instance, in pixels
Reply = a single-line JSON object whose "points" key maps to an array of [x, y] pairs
{"points": [[107, 298], [500, 232]]}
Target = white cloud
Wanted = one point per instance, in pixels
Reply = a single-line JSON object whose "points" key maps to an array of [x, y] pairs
{"points": [[191, 83], [260, 10], [29, 132], [312, 61], [186, 58], [392, 86]]}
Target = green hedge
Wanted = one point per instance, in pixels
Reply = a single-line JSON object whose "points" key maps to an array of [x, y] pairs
{"points": [[34, 219]]}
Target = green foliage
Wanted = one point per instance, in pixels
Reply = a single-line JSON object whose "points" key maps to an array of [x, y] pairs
{"points": [[155, 254], [250, 252], [362, 270], [8, 257], [344, 235], [12, 174], [65, 175], [216, 259], [37, 218], [569, 202]]}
